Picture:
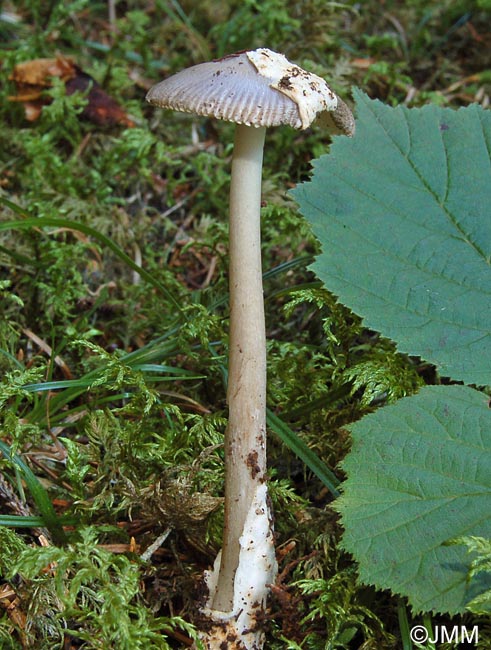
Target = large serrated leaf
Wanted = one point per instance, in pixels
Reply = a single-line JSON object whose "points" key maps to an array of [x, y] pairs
{"points": [[402, 211], [420, 475]]}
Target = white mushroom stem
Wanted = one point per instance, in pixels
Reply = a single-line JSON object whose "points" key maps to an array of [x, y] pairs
{"points": [[259, 87], [245, 440]]}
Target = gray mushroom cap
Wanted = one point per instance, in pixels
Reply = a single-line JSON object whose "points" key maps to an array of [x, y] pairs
{"points": [[256, 88]]}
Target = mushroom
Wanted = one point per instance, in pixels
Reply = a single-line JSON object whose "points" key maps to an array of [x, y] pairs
{"points": [[256, 90]]}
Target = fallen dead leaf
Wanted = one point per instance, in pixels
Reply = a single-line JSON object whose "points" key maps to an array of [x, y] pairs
{"points": [[38, 72], [33, 77]]}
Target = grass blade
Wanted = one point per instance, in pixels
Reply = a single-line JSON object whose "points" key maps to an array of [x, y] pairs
{"points": [[300, 449], [40, 222], [48, 515]]}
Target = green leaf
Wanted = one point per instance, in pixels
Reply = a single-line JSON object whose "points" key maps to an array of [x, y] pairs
{"points": [[39, 495], [419, 476], [402, 213]]}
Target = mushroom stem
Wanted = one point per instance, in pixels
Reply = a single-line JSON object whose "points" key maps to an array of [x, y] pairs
{"points": [[245, 438]]}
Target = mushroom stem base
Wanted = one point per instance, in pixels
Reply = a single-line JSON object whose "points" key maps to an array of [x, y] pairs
{"points": [[240, 628]]}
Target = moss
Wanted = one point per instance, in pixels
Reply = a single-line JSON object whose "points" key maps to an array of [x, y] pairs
{"points": [[114, 384]]}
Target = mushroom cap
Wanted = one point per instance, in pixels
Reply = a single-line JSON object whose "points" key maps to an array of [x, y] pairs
{"points": [[256, 88]]}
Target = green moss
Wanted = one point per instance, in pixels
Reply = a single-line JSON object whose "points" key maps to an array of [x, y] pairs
{"points": [[113, 390]]}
